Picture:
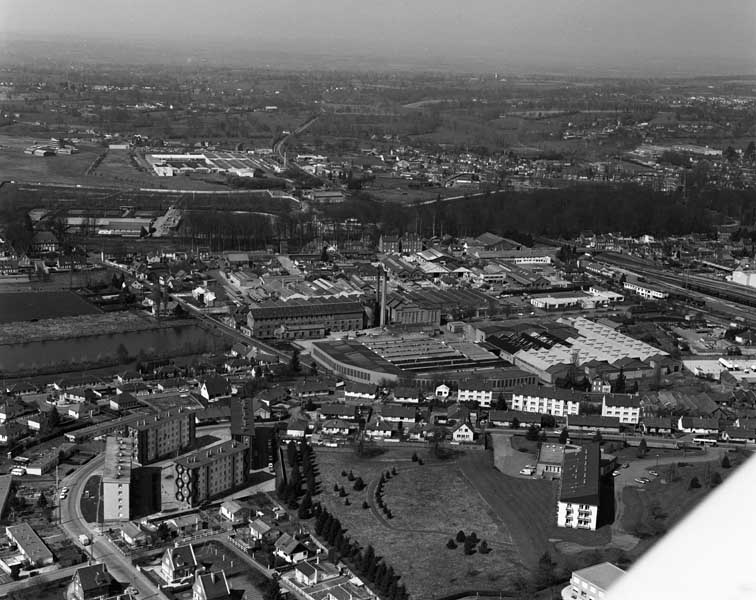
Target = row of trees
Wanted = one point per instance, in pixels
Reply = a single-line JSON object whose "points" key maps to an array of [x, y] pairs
{"points": [[302, 479], [366, 562]]}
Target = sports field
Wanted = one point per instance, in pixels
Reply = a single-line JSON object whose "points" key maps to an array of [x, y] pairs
{"points": [[30, 306]]}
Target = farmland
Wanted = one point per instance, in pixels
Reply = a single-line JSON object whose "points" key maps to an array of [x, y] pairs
{"points": [[31, 306]]}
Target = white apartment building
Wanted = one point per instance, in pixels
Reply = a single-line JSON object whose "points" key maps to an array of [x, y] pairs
{"points": [[592, 582], [551, 401], [578, 502], [483, 397], [625, 407]]}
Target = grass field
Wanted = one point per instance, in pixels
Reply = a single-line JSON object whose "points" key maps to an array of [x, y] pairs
{"points": [[91, 506], [30, 306], [654, 508], [74, 326], [430, 503]]}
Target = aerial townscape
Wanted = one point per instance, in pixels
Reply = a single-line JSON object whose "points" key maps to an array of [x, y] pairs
{"points": [[297, 321]]}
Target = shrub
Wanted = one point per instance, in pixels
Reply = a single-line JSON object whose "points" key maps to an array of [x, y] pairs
{"points": [[451, 544], [726, 462], [461, 536], [343, 473], [483, 548], [350, 477], [694, 483], [336, 487], [473, 538], [716, 479], [394, 471], [420, 461], [359, 485], [415, 457], [346, 502], [365, 505]]}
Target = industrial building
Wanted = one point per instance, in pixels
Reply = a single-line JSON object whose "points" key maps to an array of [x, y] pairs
{"points": [[116, 479], [211, 472], [303, 318], [162, 434]]}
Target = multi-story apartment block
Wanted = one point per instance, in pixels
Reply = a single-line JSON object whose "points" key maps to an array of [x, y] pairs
{"points": [[625, 407], [592, 582], [482, 396], [116, 478], [211, 472], [303, 318], [158, 436], [578, 501], [551, 401]]}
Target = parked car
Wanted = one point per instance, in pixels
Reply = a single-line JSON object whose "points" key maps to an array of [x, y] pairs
{"points": [[615, 473], [654, 473], [625, 466], [527, 471], [639, 480]]}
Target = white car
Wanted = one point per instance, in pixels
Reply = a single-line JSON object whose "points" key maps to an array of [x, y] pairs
{"points": [[63, 495], [527, 471]]}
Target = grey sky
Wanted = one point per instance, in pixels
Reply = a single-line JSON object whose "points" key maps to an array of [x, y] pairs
{"points": [[673, 34]]}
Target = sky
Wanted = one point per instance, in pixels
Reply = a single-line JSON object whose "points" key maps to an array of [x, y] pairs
{"points": [[624, 35]]}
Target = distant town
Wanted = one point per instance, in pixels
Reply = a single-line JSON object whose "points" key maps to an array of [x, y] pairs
{"points": [[332, 336]]}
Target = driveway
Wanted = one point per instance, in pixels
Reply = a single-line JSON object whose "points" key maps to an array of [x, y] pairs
{"points": [[508, 460]]}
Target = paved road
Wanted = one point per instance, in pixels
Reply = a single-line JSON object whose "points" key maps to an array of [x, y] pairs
{"points": [[101, 549]]}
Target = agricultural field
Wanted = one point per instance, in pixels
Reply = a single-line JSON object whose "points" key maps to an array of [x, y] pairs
{"points": [[30, 306], [432, 502]]}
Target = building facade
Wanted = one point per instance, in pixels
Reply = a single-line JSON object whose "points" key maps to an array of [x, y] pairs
{"points": [[116, 479], [158, 436], [550, 401], [626, 408], [211, 472], [304, 318], [579, 494]]}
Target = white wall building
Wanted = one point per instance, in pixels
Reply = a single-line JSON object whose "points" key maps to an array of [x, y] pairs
{"points": [[551, 401], [483, 397], [644, 291], [623, 406], [592, 582]]}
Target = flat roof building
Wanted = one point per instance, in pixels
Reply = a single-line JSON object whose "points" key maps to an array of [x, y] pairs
{"points": [[211, 472], [30, 545], [161, 434], [116, 479], [579, 491]]}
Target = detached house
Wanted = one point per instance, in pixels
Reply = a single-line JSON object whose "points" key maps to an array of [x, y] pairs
{"points": [[211, 586], [290, 549], [92, 583], [463, 433], [214, 388], [178, 564], [406, 395]]}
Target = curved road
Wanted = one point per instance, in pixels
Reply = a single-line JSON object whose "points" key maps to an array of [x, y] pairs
{"points": [[101, 549]]}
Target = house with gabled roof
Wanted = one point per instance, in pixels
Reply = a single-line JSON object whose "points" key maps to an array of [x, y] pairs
{"points": [[406, 395], [463, 433], [211, 586], [92, 582], [698, 425], [259, 529], [290, 549], [395, 413], [178, 564]]}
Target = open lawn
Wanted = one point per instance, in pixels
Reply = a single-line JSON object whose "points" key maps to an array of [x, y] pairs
{"points": [[430, 503], [91, 505], [30, 306], [654, 508]]}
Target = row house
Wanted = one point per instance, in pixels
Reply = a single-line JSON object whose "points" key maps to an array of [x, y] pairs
{"points": [[625, 407]]}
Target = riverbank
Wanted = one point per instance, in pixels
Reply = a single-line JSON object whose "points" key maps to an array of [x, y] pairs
{"points": [[45, 330]]}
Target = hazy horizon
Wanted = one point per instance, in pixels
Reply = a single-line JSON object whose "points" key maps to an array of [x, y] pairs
{"points": [[603, 36]]}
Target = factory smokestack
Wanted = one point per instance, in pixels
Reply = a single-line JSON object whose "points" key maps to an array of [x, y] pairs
{"points": [[383, 296]]}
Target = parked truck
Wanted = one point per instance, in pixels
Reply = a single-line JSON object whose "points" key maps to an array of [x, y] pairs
{"points": [[84, 539]]}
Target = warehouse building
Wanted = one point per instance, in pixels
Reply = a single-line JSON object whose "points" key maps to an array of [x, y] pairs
{"points": [[304, 318]]}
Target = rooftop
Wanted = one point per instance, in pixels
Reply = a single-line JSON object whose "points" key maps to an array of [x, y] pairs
{"points": [[118, 457], [580, 476], [208, 455], [601, 575], [29, 542]]}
